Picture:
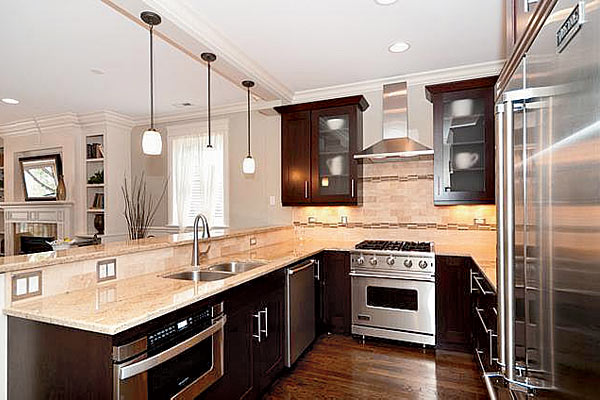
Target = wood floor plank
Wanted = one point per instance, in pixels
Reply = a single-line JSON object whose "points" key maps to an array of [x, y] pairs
{"points": [[341, 367]]}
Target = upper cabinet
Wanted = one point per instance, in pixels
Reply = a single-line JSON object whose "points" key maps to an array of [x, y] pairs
{"points": [[463, 141], [318, 143], [518, 15]]}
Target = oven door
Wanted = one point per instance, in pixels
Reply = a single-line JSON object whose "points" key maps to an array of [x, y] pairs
{"points": [[183, 371], [392, 303]]}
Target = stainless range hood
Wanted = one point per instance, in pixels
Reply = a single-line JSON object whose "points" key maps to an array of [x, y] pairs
{"points": [[395, 144]]}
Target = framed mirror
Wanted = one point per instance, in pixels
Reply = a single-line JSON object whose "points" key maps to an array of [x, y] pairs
{"points": [[40, 176]]}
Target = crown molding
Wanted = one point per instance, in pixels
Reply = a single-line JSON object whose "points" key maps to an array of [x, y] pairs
{"points": [[37, 125], [263, 107], [422, 78]]}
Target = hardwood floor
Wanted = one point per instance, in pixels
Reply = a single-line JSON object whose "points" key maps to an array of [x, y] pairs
{"points": [[340, 367]]}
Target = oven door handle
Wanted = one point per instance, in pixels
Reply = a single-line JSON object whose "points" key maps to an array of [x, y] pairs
{"points": [[403, 278], [144, 365]]}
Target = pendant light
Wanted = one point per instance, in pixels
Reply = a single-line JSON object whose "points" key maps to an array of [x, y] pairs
{"points": [[151, 139], [248, 165], [209, 58]]}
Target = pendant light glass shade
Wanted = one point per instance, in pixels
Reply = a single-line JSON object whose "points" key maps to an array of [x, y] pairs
{"points": [[248, 165], [152, 142], [151, 139]]}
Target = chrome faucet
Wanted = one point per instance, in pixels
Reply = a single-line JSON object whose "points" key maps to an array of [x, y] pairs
{"points": [[205, 234]]}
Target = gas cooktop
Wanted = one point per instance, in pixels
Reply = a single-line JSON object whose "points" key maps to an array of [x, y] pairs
{"points": [[392, 245]]}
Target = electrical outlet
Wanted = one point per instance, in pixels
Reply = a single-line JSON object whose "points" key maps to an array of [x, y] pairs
{"points": [[344, 220], [252, 241], [106, 270], [272, 200], [312, 220], [26, 285], [479, 221]]}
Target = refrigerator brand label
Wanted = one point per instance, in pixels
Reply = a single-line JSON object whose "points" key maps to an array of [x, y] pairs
{"points": [[570, 27]]}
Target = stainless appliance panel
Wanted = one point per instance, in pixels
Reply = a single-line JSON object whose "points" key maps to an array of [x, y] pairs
{"points": [[562, 274], [183, 370], [548, 258], [300, 310], [392, 303]]}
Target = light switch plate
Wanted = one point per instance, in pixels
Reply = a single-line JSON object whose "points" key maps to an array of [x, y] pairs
{"points": [[26, 285], [272, 200], [106, 270]]}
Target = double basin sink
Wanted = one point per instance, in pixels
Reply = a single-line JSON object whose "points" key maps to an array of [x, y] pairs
{"points": [[217, 272]]}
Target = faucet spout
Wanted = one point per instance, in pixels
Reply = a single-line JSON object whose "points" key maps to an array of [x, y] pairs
{"points": [[205, 234]]}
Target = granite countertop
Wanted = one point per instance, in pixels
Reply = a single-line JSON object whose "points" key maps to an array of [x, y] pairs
{"points": [[113, 307], [113, 249]]}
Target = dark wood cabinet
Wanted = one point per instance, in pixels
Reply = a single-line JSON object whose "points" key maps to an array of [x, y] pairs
{"points": [[269, 351], [484, 316], [318, 143], [238, 379], [335, 292], [453, 303], [295, 166], [463, 141], [254, 352]]}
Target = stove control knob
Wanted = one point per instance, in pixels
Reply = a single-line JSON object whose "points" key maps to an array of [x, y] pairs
{"points": [[423, 264], [373, 261], [390, 260], [360, 260], [408, 263]]}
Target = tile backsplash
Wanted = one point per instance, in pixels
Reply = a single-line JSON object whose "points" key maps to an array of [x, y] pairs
{"points": [[399, 195]]}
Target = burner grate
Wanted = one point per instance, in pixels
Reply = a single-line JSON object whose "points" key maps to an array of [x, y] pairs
{"points": [[391, 245]]}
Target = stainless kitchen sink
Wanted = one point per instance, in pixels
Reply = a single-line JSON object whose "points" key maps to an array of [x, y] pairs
{"points": [[200, 276], [236, 267]]}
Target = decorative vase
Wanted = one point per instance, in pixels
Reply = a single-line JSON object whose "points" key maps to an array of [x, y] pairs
{"points": [[61, 190], [99, 223]]}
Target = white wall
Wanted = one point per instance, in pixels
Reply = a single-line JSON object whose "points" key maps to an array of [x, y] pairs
{"points": [[249, 196], [64, 140]]}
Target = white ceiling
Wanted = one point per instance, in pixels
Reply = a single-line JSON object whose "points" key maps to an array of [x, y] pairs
{"points": [[48, 49], [308, 44]]}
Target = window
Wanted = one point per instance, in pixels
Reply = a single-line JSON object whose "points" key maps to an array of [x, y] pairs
{"points": [[197, 182]]}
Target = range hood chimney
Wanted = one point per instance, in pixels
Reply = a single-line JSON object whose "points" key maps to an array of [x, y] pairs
{"points": [[396, 144]]}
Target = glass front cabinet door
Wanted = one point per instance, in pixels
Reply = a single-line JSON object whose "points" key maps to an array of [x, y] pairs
{"points": [[334, 168], [318, 144], [463, 130]]}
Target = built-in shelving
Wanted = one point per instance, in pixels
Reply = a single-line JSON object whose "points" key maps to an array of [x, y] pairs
{"points": [[95, 155]]}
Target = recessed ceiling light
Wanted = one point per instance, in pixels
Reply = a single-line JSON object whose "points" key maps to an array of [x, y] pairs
{"points": [[399, 47], [385, 2], [10, 101]]}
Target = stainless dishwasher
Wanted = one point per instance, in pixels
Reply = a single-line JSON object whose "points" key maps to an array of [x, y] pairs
{"points": [[300, 309]]}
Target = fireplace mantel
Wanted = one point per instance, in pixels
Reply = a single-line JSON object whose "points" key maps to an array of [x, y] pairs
{"points": [[36, 212]]}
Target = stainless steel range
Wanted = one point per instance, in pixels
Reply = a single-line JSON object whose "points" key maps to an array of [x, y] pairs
{"points": [[393, 290]]}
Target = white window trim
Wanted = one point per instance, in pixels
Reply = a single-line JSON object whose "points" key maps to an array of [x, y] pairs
{"points": [[174, 131]]}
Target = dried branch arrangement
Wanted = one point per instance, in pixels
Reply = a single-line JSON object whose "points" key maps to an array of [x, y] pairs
{"points": [[140, 206]]}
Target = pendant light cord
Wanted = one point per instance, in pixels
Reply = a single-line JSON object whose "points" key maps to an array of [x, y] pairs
{"points": [[209, 141], [249, 122], [151, 80]]}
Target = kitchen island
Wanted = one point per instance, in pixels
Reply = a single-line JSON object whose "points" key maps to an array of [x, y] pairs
{"points": [[141, 294]]}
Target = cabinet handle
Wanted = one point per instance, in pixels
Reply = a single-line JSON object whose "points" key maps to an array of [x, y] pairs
{"points": [[352, 187], [258, 336], [306, 189], [318, 270], [266, 330]]}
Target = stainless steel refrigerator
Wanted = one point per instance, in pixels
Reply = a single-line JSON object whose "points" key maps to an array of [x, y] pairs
{"points": [[548, 202]]}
